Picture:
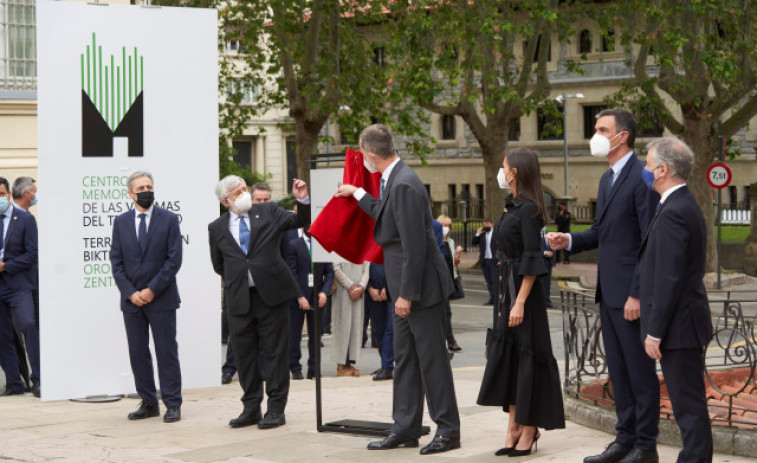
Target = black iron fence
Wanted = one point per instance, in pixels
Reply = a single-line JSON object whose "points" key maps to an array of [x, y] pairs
{"points": [[733, 348]]}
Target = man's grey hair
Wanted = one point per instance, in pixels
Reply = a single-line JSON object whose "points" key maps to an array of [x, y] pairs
{"points": [[21, 185], [226, 184], [674, 153], [377, 139], [136, 175], [624, 122]]}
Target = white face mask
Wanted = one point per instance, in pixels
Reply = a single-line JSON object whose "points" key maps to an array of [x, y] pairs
{"points": [[243, 203], [599, 145], [445, 230], [368, 166], [502, 179]]}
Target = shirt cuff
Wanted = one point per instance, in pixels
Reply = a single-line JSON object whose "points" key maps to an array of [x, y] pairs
{"points": [[653, 338], [359, 193], [570, 243], [305, 200]]}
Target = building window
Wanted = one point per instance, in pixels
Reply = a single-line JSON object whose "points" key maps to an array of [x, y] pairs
{"points": [[479, 209], [513, 130], [608, 40], [242, 92], [448, 127], [549, 123], [584, 41], [590, 119], [733, 196], [452, 201], [747, 204], [379, 56], [18, 54], [243, 153]]}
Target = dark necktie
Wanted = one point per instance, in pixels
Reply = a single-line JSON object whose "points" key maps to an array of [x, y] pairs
{"points": [[659, 206], [2, 231], [244, 235], [381, 191], [608, 183], [142, 236]]}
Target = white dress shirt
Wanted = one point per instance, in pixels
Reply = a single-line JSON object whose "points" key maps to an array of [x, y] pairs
{"points": [[360, 192], [234, 229], [148, 214]]}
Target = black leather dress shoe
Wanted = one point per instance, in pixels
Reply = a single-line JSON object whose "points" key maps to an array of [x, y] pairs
{"points": [[36, 388], [297, 375], [173, 414], [612, 454], [226, 378], [383, 374], [144, 411], [246, 419], [272, 420], [311, 374], [11, 391], [392, 441], [641, 456], [441, 444]]}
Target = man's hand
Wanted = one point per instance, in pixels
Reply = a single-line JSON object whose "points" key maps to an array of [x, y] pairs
{"points": [[345, 191], [2, 266], [136, 299], [299, 189], [147, 295], [356, 292], [557, 241], [303, 303], [383, 296], [322, 298], [632, 309], [653, 348], [402, 307], [549, 253], [374, 293]]}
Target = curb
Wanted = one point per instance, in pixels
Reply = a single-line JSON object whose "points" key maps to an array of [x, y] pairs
{"points": [[725, 440]]}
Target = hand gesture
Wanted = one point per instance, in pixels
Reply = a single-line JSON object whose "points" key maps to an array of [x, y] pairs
{"points": [[299, 189], [402, 307], [557, 241], [322, 299], [345, 191], [303, 303]]}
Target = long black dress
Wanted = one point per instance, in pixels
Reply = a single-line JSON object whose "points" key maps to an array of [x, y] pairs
{"points": [[521, 369]]}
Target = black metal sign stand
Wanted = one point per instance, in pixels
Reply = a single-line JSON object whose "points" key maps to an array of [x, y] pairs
{"points": [[346, 426]]}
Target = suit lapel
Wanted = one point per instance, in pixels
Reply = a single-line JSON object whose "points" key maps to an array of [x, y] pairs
{"points": [[225, 232], [622, 176], [673, 196], [154, 220], [11, 226], [131, 228], [388, 188]]}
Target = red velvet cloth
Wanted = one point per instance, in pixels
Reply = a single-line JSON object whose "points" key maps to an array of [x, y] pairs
{"points": [[343, 227]]}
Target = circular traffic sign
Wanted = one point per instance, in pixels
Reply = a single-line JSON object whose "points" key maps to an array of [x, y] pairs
{"points": [[719, 175]]}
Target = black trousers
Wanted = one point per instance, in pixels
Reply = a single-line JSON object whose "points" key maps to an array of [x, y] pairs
{"points": [[264, 329]]}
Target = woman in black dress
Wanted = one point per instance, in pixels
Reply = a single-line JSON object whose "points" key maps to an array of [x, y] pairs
{"points": [[521, 372]]}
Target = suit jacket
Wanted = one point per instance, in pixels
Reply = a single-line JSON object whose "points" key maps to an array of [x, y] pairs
{"points": [[674, 304], [298, 259], [623, 217], [414, 266], [480, 240], [156, 268], [273, 279], [20, 252]]}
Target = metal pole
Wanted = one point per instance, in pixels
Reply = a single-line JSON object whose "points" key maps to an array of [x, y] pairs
{"points": [[721, 151], [565, 139]]}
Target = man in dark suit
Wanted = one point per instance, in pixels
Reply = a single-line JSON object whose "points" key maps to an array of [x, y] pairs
{"points": [[625, 207], [381, 309], [299, 259], [18, 278], [487, 259], [245, 252], [145, 255], [675, 314], [419, 284]]}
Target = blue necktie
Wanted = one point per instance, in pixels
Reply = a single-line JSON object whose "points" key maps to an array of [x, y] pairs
{"points": [[2, 233], [381, 191], [244, 235], [142, 237]]}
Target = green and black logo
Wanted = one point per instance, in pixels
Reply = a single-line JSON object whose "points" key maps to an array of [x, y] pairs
{"points": [[111, 101]]}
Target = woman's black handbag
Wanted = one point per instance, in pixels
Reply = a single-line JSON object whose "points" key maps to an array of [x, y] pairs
{"points": [[459, 292]]}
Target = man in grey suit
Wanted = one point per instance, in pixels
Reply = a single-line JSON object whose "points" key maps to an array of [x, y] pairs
{"points": [[418, 283]]}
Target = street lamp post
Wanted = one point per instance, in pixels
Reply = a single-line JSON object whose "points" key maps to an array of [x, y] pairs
{"points": [[564, 100]]}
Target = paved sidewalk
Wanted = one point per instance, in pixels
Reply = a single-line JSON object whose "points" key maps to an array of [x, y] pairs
{"points": [[64, 431]]}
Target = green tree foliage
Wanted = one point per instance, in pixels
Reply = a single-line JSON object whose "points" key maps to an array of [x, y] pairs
{"points": [[484, 61], [694, 66]]}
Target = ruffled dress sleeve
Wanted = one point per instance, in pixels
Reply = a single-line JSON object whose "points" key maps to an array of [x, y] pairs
{"points": [[532, 259]]}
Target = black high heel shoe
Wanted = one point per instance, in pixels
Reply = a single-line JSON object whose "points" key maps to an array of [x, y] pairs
{"points": [[521, 453], [507, 450]]}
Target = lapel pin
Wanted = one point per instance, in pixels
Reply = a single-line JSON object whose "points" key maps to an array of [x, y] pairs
{"points": [[257, 216]]}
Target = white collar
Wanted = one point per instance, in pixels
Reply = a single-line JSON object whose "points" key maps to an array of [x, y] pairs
{"points": [[670, 190], [618, 166], [385, 175]]}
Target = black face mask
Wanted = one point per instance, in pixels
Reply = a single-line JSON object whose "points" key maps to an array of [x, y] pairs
{"points": [[145, 199]]}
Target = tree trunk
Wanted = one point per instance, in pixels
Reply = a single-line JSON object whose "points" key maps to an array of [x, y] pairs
{"points": [[306, 145], [701, 136]]}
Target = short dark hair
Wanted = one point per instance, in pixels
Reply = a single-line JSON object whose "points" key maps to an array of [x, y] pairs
{"points": [[377, 138], [262, 186], [4, 181], [624, 121]]}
